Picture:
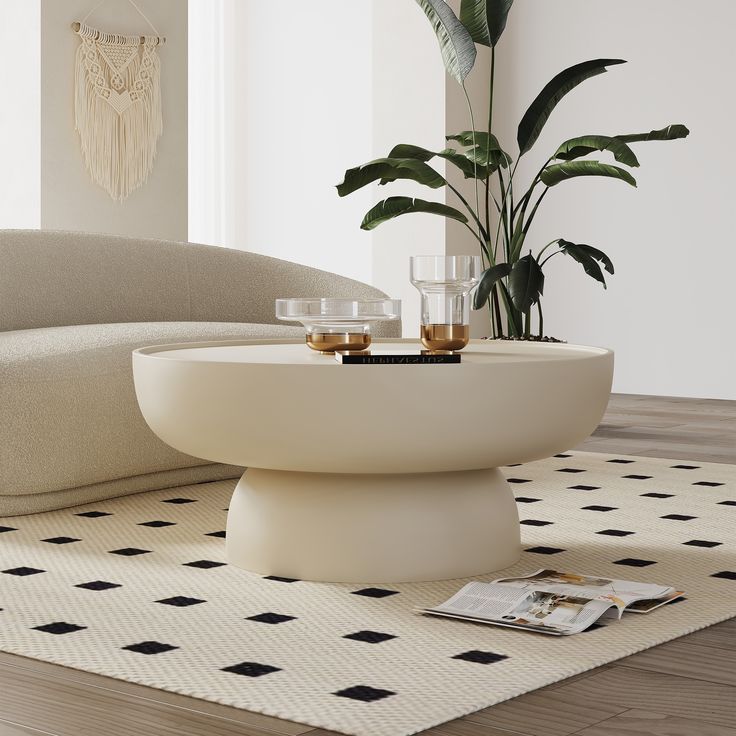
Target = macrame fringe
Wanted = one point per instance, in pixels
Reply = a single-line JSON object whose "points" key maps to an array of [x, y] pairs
{"points": [[118, 143]]}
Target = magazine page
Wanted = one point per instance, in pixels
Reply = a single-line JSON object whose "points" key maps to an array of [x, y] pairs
{"points": [[543, 611], [622, 593]]}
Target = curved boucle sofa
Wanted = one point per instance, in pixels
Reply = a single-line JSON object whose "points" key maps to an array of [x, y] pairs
{"points": [[72, 308]]}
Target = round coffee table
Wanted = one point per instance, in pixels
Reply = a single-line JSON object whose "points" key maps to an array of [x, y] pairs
{"points": [[382, 473]]}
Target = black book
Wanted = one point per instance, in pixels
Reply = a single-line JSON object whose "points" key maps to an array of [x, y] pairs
{"points": [[389, 357]]}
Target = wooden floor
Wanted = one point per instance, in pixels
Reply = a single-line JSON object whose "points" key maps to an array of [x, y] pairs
{"points": [[686, 687]]}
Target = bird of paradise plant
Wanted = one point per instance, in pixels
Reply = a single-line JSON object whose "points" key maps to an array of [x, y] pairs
{"points": [[513, 281]]}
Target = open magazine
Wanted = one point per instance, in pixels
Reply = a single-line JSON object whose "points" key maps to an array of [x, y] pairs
{"points": [[551, 602]]}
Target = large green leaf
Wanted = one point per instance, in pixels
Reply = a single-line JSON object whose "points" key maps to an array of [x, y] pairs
{"points": [[389, 169], [556, 173], [482, 148], [466, 165], [485, 19], [539, 111], [585, 144], [526, 283], [456, 44], [396, 206], [588, 257], [670, 133], [488, 280], [409, 150]]}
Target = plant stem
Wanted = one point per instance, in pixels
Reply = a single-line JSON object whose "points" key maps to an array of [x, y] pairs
{"points": [[541, 319], [482, 232], [551, 242], [490, 129], [475, 163], [534, 210], [551, 255], [497, 308], [479, 239]]}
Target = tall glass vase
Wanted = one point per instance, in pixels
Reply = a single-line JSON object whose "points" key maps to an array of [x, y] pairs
{"points": [[445, 283]]}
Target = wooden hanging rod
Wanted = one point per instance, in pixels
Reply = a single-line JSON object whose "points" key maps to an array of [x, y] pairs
{"points": [[77, 25]]}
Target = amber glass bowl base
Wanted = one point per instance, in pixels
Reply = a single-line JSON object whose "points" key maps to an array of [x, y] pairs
{"points": [[329, 342], [445, 337]]}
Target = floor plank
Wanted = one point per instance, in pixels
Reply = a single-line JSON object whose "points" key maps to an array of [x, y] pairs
{"points": [[648, 723], [13, 729], [64, 702], [686, 658], [630, 688], [455, 728], [539, 714], [720, 636]]}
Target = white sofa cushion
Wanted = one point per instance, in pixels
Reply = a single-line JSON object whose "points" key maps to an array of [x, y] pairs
{"points": [[71, 431]]}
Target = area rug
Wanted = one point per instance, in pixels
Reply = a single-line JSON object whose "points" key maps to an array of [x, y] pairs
{"points": [[137, 589]]}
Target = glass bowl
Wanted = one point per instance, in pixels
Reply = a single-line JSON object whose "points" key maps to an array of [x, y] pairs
{"points": [[338, 324]]}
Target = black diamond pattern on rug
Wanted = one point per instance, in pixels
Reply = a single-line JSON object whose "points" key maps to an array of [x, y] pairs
{"points": [[634, 562], [614, 532], [181, 601], [686, 467], [93, 514], [280, 579], [621, 461], [599, 508], [725, 574], [221, 534], [179, 500], [634, 476], [708, 483], [364, 692], [271, 618], [526, 499], [4, 529], [657, 495], [518, 480], [375, 592], [157, 524], [98, 585], [58, 627], [204, 564], [702, 543], [535, 522], [678, 517], [480, 657], [570, 470], [150, 647], [251, 669], [22, 571], [727, 503], [371, 637], [562, 455], [545, 550], [61, 540], [584, 488], [129, 551]]}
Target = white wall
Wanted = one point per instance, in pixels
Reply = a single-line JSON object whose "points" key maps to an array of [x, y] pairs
{"points": [[669, 308], [20, 132], [283, 99], [69, 198], [292, 86], [408, 106]]}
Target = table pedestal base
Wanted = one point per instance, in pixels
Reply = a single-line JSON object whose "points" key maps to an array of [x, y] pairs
{"points": [[373, 528]]}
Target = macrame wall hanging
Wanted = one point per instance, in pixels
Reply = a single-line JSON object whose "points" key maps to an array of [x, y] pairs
{"points": [[117, 105]]}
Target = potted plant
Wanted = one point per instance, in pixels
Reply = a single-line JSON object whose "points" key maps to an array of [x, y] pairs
{"points": [[499, 219]]}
